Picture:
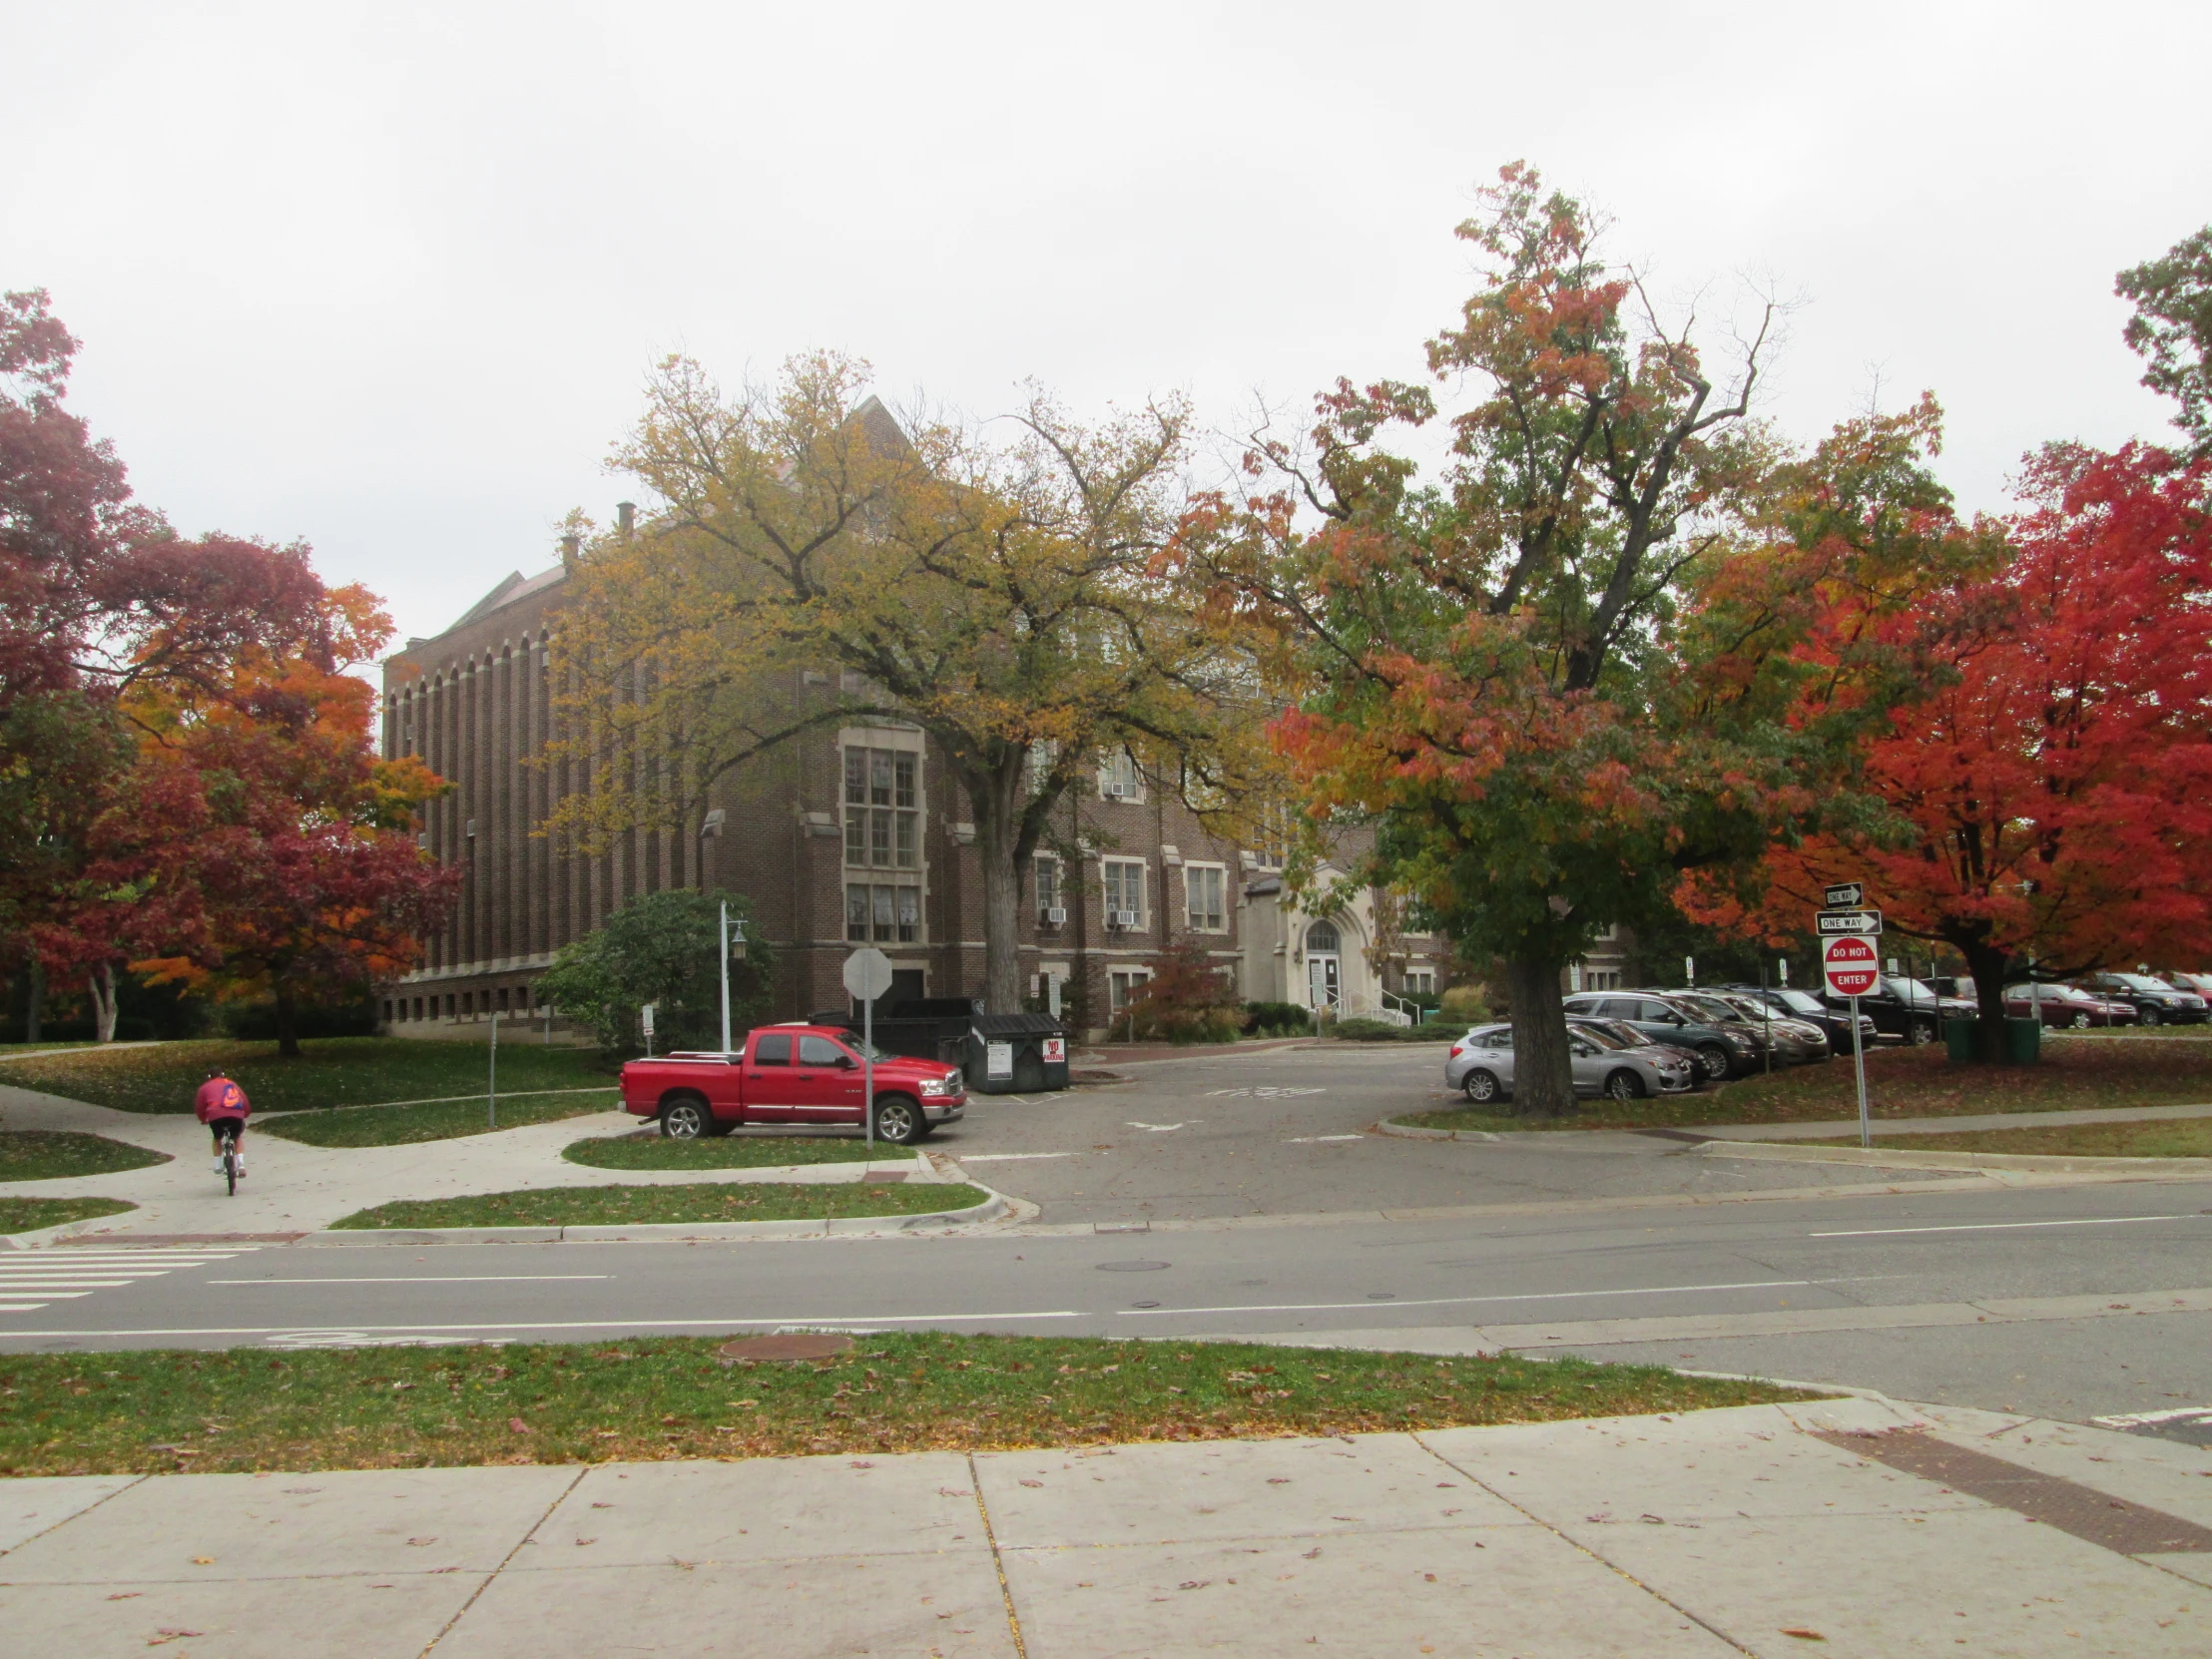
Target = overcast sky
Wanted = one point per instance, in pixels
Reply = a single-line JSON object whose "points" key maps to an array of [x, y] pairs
{"points": [[387, 277]]}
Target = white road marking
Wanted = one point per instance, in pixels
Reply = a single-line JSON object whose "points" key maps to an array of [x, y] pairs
{"points": [[815, 1321], [2182, 1414], [1163, 1128], [407, 1278], [1993, 1225], [1321, 1140], [79, 1271], [1264, 1093], [1004, 1157], [1461, 1300]]}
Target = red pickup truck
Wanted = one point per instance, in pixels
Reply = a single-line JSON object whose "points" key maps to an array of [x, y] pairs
{"points": [[792, 1074]]}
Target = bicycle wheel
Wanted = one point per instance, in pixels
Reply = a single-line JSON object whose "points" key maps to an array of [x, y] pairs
{"points": [[230, 1167]]}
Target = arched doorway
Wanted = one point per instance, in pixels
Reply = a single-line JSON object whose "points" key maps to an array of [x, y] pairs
{"points": [[1324, 967]]}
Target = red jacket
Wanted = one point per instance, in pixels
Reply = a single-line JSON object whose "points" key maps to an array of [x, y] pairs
{"points": [[219, 1097]]}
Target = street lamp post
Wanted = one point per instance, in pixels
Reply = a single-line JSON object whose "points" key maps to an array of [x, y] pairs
{"points": [[731, 935]]}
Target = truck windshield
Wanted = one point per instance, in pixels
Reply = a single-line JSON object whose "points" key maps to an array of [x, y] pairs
{"points": [[863, 1048]]}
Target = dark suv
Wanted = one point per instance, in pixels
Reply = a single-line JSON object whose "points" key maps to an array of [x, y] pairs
{"points": [[2155, 1002], [1906, 1009], [1721, 1051]]}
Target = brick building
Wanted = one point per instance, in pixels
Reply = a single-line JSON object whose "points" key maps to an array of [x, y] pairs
{"points": [[846, 837]]}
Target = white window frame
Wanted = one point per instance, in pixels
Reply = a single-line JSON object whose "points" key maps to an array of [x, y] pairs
{"points": [[1120, 983], [1108, 882], [1120, 767], [1420, 981], [1191, 912], [1051, 887]]}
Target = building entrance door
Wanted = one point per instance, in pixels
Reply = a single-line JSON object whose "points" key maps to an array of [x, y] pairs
{"points": [[1324, 967]]}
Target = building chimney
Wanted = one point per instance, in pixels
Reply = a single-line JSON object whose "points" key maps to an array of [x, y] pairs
{"points": [[572, 547], [626, 518]]}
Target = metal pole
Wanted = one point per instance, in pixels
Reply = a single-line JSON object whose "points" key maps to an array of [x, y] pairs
{"points": [[1766, 1014], [491, 1098], [721, 938], [1858, 1068], [867, 1071]]}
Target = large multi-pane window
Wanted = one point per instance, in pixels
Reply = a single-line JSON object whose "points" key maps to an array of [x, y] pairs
{"points": [[1205, 887], [1123, 880], [1048, 886], [1119, 777], [882, 802], [882, 834], [881, 913]]}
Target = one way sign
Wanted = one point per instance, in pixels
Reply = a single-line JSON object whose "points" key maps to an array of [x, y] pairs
{"points": [[1866, 923], [1844, 895]]}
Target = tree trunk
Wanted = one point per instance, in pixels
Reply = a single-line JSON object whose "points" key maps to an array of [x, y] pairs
{"points": [[1543, 1082], [288, 1024], [1987, 965], [34, 1002], [102, 981]]}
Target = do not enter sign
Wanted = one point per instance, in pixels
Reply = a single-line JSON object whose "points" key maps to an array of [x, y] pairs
{"points": [[1851, 966]]}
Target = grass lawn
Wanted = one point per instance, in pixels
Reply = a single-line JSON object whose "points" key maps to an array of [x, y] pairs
{"points": [[52, 1155], [332, 1071], [634, 1206], [246, 1409], [650, 1150], [28, 1215], [2174, 1138], [443, 1121], [1901, 1083]]}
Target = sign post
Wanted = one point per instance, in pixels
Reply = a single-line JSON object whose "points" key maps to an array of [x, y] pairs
{"points": [[867, 975], [1847, 961], [491, 1082], [645, 1019]]}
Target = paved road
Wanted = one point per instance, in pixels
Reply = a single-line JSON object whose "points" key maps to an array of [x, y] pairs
{"points": [[2072, 1301]]}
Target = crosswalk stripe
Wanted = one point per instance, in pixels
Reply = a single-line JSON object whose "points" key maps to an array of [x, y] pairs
{"points": [[89, 1269]]}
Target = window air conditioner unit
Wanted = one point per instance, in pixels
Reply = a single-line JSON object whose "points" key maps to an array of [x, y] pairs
{"points": [[1121, 918], [1056, 915], [1115, 789]]}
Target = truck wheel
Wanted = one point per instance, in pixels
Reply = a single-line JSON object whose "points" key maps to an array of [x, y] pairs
{"points": [[1922, 1033], [898, 1120], [685, 1118]]}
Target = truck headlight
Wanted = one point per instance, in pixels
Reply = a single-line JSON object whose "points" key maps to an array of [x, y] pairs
{"points": [[940, 1085]]}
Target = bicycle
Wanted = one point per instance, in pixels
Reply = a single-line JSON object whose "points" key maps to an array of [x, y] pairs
{"points": [[227, 1131]]}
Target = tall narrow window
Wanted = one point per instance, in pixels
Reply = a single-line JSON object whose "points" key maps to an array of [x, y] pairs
{"points": [[1204, 890], [1048, 886], [1123, 879]]}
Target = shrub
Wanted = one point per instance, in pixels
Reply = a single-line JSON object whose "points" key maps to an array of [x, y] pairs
{"points": [[1277, 1019], [1188, 1000], [1463, 1002], [1365, 1030], [660, 949]]}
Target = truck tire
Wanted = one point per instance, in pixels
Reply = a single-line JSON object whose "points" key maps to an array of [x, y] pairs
{"points": [[684, 1116], [1922, 1033], [899, 1120]]}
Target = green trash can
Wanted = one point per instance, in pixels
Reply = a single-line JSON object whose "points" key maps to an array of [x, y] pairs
{"points": [[1959, 1037], [2024, 1041]]}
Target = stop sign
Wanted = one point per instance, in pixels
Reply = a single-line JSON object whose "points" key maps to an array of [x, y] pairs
{"points": [[1851, 965]]}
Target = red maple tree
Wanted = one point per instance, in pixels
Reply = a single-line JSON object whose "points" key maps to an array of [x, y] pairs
{"points": [[2050, 792]]}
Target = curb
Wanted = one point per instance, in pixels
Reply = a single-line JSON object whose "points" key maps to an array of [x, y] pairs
{"points": [[991, 1209], [64, 1230], [1409, 1132], [1787, 1152]]}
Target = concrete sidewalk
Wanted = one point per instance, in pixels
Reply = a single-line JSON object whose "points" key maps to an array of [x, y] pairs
{"points": [[295, 1188], [1762, 1531], [1829, 1129]]}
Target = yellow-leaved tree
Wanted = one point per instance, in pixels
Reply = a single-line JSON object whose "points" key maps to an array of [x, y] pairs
{"points": [[806, 560]]}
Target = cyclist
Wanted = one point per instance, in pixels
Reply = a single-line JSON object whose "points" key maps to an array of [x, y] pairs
{"points": [[221, 1105]]}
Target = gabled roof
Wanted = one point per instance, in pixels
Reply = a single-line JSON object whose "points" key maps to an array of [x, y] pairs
{"points": [[515, 588]]}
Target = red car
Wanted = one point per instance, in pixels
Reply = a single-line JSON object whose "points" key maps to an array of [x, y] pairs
{"points": [[788, 1075], [2064, 1005]]}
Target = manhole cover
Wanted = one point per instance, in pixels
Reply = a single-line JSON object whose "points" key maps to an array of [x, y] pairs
{"points": [[801, 1344], [1131, 1266], [1144, 1304]]}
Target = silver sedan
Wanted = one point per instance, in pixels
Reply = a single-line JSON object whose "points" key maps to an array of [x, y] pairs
{"points": [[1482, 1066]]}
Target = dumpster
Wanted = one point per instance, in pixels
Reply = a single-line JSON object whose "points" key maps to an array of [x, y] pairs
{"points": [[1016, 1053], [921, 1027]]}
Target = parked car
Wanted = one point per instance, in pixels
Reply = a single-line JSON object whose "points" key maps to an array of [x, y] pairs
{"points": [[1806, 1007], [1906, 1008], [1729, 1051], [1628, 1036], [2155, 1002], [790, 1075], [1724, 1016], [2200, 983], [1481, 1066], [1796, 1042], [2066, 1005]]}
